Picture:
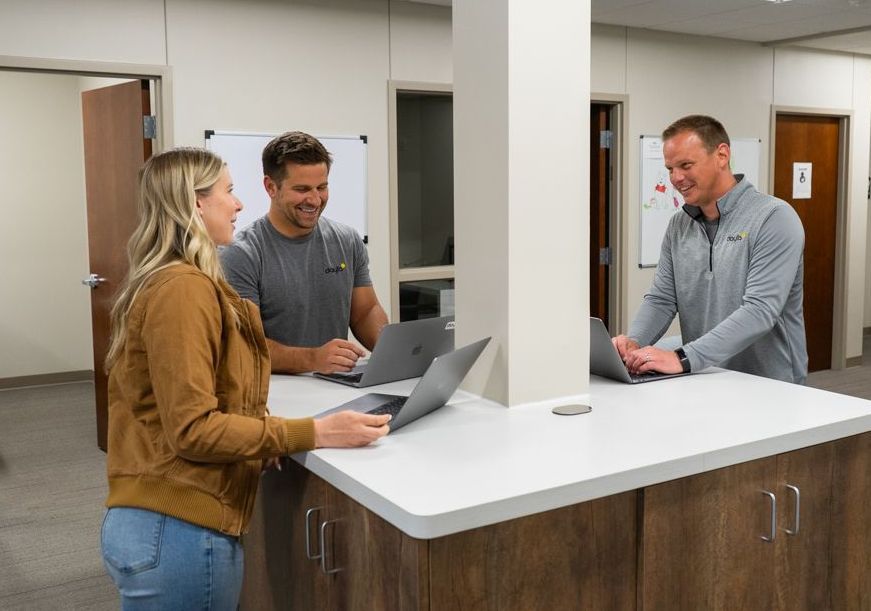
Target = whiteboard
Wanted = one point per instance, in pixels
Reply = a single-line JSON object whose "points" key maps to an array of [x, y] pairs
{"points": [[660, 200], [242, 152]]}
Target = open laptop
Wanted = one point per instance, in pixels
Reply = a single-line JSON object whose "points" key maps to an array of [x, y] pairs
{"points": [[404, 350], [434, 389], [605, 361]]}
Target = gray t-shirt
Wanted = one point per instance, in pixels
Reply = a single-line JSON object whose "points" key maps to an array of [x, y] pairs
{"points": [[302, 285]]}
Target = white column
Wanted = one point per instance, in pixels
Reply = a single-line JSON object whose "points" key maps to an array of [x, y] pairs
{"points": [[521, 195]]}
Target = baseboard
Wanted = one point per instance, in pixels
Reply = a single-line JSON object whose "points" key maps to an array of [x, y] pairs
{"points": [[44, 379], [853, 361]]}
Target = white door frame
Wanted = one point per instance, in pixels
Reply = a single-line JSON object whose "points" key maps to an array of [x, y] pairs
{"points": [[161, 75]]}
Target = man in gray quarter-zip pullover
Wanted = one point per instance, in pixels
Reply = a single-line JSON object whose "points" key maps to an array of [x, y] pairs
{"points": [[730, 268]]}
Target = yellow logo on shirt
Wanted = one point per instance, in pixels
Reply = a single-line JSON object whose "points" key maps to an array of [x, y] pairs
{"points": [[335, 270]]}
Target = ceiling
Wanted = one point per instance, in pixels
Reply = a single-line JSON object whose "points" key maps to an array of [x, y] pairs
{"points": [[836, 25], [840, 25]]}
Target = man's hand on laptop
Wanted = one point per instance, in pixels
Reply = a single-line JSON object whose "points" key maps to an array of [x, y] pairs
{"points": [[648, 358], [337, 355], [624, 346]]}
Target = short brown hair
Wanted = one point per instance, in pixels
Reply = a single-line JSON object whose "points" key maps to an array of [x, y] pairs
{"points": [[296, 147], [710, 131]]}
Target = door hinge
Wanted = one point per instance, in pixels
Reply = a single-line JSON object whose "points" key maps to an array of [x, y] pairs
{"points": [[605, 139], [149, 126], [605, 256]]}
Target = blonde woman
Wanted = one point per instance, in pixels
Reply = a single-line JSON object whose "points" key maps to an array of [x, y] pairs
{"points": [[188, 378]]}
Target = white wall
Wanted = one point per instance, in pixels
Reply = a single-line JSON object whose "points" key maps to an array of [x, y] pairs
{"points": [[45, 319], [666, 76], [323, 66], [264, 65]]}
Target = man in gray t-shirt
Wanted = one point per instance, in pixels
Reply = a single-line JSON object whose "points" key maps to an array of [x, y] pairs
{"points": [[308, 275]]}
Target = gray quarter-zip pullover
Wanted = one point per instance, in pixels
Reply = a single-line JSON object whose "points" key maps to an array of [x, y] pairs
{"points": [[738, 297]]}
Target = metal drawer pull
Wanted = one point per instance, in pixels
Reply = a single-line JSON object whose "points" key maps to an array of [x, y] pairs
{"points": [[324, 568], [308, 545], [773, 531], [797, 494]]}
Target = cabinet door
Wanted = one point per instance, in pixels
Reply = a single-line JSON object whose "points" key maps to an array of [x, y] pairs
{"points": [[851, 523], [802, 568], [278, 574], [376, 565], [576, 557], [701, 545]]}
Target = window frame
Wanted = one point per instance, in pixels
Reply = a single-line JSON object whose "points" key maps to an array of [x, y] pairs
{"points": [[407, 274]]}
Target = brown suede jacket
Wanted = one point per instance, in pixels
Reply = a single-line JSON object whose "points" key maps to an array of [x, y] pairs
{"points": [[188, 429]]}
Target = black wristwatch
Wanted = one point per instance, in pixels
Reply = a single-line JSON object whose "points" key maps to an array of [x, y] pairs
{"points": [[684, 361]]}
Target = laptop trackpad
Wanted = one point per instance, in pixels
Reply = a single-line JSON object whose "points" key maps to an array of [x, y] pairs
{"points": [[365, 403]]}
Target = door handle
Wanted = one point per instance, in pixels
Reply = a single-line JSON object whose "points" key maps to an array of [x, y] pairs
{"points": [[308, 549], [324, 569], [93, 281], [773, 528], [795, 524]]}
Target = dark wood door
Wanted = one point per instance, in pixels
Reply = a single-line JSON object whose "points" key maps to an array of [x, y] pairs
{"points": [[802, 579], [701, 545], [377, 566], [813, 139], [114, 152], [278, 571], [599, 211], [577, 557], [851, 523]]}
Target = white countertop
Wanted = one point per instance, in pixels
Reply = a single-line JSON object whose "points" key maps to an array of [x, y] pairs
{"points": [[474, 462]]}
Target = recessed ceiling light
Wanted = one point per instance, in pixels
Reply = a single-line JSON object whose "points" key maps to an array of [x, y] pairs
{"points": [[778, 1]]}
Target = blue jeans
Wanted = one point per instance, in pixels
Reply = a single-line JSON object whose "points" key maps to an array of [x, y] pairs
{"points": [[158, 562]]}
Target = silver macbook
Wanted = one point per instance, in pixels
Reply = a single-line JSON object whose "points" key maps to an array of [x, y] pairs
{"points": [[605, 361], [434, 389], [404, 350]]}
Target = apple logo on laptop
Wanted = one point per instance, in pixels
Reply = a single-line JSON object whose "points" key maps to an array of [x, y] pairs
{"points": [[416, 350]]}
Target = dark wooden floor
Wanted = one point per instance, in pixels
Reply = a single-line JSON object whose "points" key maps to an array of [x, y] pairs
{"points": [[52, 487]]}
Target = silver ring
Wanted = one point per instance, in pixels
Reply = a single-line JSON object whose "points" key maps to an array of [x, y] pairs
{"points": [[647, 357]]}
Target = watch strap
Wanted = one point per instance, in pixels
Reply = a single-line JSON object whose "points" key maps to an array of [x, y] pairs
{"points": [[684, 360]]}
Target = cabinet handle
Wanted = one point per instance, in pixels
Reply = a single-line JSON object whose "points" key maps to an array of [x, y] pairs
{"points": [[797, 494], [773, 530], [323, 554], [308, 546]]}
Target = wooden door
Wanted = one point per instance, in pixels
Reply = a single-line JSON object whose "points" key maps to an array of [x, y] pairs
{"points": [[701, 545], [802, 579], [851, 523], [377, 567], [115, 149], [577, 557], [814, 139], [599, 211], [278, 572]]}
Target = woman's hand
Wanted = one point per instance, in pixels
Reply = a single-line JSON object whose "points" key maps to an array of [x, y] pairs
{"points": [[350, 429]]}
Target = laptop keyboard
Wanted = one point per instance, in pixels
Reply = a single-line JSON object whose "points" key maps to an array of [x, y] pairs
{"points": [[392, 407], [348, 377], [640, 377]]}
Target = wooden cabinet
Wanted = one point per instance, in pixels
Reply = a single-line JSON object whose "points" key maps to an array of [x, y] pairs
{"points": [[577, 557], [851, 524], [720, 541], [312, 547], [701, 542], [701, 545], [802, 578]]}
